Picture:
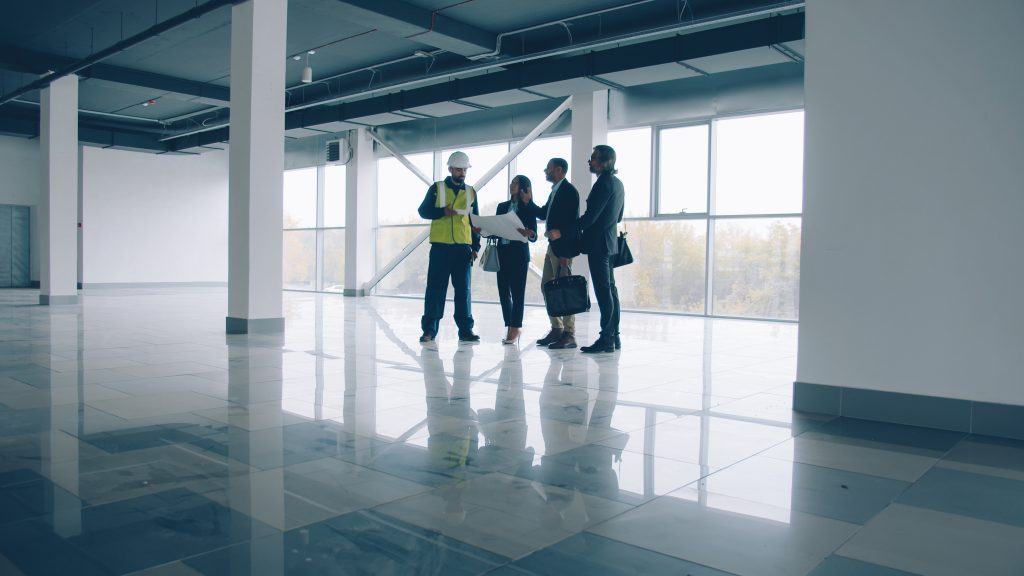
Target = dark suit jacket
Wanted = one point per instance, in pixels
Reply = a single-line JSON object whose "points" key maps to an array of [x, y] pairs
{"points": [[529, 221], [604, 210], [562, 217]]}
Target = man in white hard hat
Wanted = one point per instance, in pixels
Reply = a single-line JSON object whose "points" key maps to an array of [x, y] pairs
{"points": [[454, 245]]}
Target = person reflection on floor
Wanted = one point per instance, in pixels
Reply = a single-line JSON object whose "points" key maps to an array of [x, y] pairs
{"points": [[580, 449], [504, 428], [452, 426]]}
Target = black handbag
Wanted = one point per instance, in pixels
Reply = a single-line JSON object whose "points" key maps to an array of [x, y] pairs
{"points": [[624, 255], [566, 295]]}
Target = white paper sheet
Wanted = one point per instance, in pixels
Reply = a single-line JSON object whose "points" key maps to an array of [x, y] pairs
{"points": [[504, 225]]}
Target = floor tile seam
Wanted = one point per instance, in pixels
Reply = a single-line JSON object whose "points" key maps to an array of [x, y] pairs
{"points": [[639, 547], [875, 563], [393, 521], [982, 470], [867, 522], [101, 410], [947, 512], [183, 559], [426, 488], [794, 461], [779, 443], [890, 447], [845, 471]]}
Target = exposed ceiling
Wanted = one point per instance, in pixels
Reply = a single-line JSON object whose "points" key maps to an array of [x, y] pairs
{"points": [[156, 73]]}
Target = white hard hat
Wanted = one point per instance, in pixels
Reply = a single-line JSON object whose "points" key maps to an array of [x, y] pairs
{"points": [[458, 160]]}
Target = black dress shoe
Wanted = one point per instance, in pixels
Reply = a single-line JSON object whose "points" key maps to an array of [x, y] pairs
{"points": [[551, 338], [599, 347], [618, 342], [426, 338], [468, 337]]}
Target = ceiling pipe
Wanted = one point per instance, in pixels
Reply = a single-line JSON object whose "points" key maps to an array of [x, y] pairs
{"points": [[98, 113], [121, 46], [497, 46], [689, 27]]}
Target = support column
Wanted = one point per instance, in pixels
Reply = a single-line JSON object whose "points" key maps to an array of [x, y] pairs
{"points": [[589, 128], [58, 140], [256, 166], [360, 213]]}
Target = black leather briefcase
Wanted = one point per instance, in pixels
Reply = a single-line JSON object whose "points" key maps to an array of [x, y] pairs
{"points": [[566, 296]]}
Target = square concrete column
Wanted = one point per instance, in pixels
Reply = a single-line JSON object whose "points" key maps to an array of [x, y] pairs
{"points": [[589, 128], [58, 141], [360, 213], [256, 166]]}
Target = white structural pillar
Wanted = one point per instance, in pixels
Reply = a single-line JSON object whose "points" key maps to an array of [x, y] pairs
{"points": [[360, 213], [589, 128], [256, 166], [58, 140]]}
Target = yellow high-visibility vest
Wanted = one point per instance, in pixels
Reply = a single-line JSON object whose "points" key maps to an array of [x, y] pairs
{"points": [[453, 229]]}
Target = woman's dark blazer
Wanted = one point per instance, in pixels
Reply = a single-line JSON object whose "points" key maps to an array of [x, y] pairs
{"points": [[529, 222]]}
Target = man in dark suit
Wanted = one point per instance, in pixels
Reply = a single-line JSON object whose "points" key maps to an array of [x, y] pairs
{"points": [[604, 210], [560, 214]]}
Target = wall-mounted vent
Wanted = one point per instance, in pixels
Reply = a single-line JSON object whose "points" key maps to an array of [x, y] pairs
{"points": [[338, 152], [334, 151]]}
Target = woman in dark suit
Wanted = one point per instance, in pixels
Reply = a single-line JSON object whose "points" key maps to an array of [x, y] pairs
{"points": [[514, 258]]}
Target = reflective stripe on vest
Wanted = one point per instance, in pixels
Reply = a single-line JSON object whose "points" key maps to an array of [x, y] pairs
{"points": [[453, 229]]}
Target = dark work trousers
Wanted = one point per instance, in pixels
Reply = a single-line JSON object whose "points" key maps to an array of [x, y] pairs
{"points": [[512, 283], [448, 261], [602, 274]]}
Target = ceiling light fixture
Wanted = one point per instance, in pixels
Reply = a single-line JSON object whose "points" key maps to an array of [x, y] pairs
{"points": [[307, 72]]}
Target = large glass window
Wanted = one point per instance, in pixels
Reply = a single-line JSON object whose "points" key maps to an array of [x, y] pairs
{"points": [[668, 268], [742, 211], [633, 161], [683, 170], [334, 260], [760, 164], [299, 253], [334, 197], [300, 198], [314, 242], [482, 159], [757, 268], [399, 191], [532, 161], [410, 276]]}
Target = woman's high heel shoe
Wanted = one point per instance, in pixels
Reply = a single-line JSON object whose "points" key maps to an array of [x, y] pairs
{"points": [[512, 340]]}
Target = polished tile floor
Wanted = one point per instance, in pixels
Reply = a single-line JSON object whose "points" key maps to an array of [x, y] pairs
{"points": [[137, 438]]}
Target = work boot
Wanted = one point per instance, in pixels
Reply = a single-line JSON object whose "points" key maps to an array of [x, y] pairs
{"points": [[426, 338], [568, 340], [551, 338]]}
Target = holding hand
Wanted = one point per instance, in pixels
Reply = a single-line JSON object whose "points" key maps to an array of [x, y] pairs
{"points": [[525, 232], [475, 229], [554, 234], [449, 211]]}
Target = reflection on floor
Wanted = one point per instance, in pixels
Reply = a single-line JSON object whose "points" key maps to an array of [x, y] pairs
{"points": [[136, 438]]}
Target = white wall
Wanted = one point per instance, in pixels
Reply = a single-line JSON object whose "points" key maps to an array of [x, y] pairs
{"points": [[21, 183], [913, 225], [154, 218]]}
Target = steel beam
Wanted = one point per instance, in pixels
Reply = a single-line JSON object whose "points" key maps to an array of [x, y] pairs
{"points": [[433, 28]]}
